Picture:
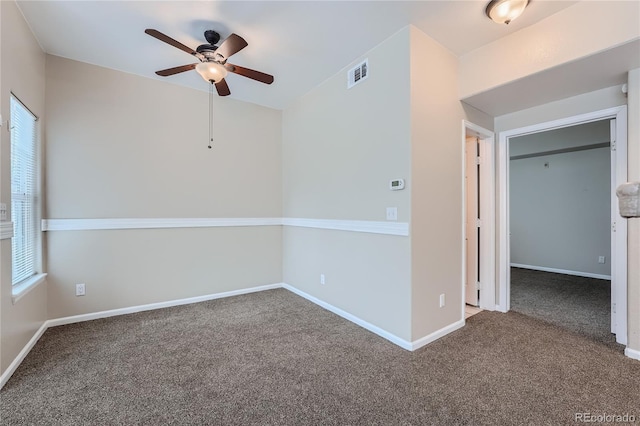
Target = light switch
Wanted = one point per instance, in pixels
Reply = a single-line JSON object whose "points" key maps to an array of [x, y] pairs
{"points": [[392, 213], [3, 212]]}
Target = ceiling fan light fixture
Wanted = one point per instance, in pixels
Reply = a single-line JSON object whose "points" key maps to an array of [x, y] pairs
{"points": [[505, 11], [211, 71]]}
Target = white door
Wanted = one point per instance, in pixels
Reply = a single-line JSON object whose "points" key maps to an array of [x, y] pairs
{"points": [[472, 229]]}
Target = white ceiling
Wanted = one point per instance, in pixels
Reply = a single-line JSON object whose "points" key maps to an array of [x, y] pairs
{"points": [[302, 43]]}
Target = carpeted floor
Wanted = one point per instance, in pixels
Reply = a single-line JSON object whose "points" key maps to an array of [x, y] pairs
{"points": [[581, 305], [273, 358]]}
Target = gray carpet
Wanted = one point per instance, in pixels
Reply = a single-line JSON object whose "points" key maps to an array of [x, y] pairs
{"points": [[579, 304], [272, 358]]}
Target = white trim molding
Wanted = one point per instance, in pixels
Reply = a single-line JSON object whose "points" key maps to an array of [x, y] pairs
{"points": [[153, 223], [6, 230], [368, 226], [404, 344], [372, 227], [417, 344], [158, 305], [562, 271], [21, 289], [354, 319], [632, 353], [4, 378], [410, 346], [487, 183]]}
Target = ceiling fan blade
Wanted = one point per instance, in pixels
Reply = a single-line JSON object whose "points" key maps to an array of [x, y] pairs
{"points": [[232, 45], [223, 88], [162, 37], [249, 73], [176, 70]]}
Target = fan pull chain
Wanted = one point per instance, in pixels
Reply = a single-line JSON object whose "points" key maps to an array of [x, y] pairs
{"points": [[210, 114]]}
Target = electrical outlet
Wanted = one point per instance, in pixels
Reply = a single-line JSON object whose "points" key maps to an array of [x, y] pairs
{"points": [[322, 279], [601, 259], [3, 211], [442, 300], [80, 289]]}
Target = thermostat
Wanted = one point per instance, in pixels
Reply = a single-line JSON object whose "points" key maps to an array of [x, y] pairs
{"points": [[396, 184]]}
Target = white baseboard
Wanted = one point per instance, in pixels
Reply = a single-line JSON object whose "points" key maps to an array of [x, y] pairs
{"points": [[354, 319], [416, 344], [632, 353], [404, 344], [4, 378], [562, 271], [410, 346], [22, 355], [159, 305]]}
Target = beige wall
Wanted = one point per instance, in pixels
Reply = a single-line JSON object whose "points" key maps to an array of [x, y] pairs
{"points": [[124, 146], [633, 229], [23, 68], [584, 29], [342, 146], [436, 192], [340, 149], [369, 135], [123, 268], [121, 145]]}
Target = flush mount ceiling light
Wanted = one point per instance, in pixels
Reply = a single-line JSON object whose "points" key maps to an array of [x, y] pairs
{"points": [[505, 11]]}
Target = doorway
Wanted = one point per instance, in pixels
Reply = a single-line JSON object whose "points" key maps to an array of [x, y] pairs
{"points": [[478, 266], [560, 235], [618, 232]]}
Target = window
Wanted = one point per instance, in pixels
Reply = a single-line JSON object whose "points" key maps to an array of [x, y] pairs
{"points": [[24, 192]]}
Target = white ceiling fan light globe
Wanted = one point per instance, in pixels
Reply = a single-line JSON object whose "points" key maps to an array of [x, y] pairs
{"points": [[211, 71], [505, 11]]}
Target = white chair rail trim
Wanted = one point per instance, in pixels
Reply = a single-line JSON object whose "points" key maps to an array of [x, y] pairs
{"points": [[152, 223], [373, 227]]}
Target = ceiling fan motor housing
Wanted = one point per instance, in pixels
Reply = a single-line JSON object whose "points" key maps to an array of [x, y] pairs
{"points": [[211, 36], [208, 50]]}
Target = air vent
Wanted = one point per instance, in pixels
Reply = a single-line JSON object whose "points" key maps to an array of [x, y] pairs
{"points": [[358, 74]]}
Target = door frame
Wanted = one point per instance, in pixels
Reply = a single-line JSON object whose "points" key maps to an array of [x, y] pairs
{"points": [[487, 185], [619, 237]]}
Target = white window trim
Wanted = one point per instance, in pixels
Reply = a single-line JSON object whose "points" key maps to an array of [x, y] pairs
{"points": [[18, 291]]}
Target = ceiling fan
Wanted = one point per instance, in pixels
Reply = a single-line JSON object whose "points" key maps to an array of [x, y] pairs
{"points": [[213, 65]]}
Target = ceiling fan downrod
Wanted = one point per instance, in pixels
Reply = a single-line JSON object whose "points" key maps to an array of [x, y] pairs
{"points": [[210, 114]]}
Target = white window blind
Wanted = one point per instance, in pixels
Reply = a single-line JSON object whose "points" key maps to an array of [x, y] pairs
{"points": [[24, 192]]}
